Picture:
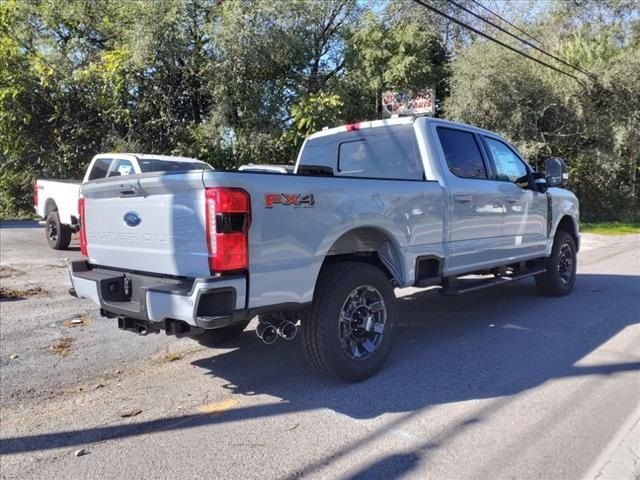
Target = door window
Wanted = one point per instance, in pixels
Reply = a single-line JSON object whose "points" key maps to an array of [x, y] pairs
{"points": [[509, 167], [462, 153]]}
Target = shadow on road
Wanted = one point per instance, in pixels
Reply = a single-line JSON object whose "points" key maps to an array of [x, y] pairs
{"points": [[489, 344]]}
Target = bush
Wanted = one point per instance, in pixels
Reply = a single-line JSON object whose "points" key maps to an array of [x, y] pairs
{"points": [[16, 193]]}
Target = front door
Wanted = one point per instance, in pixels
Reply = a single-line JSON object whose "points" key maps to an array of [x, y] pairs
{"points": [[525, 222]]}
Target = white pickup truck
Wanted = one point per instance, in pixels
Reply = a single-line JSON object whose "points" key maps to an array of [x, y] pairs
{"points": [[57, 200], [369, 207]]}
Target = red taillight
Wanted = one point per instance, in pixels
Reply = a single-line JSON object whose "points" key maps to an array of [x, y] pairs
{"points": [[35, 194], [353, 127], [83, 230], [228, 213]]}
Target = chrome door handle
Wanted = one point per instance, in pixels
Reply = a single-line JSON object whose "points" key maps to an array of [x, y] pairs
{"points": [[512, 200], [462, 198]]}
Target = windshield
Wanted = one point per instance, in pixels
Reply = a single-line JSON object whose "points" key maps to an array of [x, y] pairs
{"points": [[155, 165]]}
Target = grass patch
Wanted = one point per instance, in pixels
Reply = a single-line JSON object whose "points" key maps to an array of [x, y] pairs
{"points": [[610, 228], [173, 357]]}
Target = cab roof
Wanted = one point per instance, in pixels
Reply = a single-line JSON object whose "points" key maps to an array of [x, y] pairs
{"points": [[393, 121]]}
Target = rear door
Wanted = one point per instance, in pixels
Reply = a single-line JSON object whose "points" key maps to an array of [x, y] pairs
{"points": [[148, 223], [476, 210]]}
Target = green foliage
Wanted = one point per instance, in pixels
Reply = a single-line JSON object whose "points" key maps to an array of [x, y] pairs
{"points": [[235, 82], [16, 190], [382, 54], [594, 124], [312, 113]]}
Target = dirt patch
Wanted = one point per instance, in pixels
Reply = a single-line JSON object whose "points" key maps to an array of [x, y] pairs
{"points": [[62, 347], [11, 294], [7, 272], [79, 321], [57, 265]]}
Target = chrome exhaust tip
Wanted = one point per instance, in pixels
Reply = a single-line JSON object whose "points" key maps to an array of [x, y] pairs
{"points": [[267, 333], [287, 330]]}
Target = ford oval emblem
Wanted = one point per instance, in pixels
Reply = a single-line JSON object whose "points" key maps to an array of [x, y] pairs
{"points": [[131, 219]]}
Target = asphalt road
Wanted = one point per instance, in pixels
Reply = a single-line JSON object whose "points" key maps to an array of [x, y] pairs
{"points": [[498, 384]]}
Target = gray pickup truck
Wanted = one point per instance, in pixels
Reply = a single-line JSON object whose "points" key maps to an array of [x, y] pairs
{"points": [[371, 206]]}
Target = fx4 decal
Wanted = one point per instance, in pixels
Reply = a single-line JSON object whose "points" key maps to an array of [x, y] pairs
{"points": [[295, 199]]}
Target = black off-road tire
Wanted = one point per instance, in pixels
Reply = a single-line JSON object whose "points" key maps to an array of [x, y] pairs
{"points": [[559, 278], [58, 234], [321, 327], [219, 336]]}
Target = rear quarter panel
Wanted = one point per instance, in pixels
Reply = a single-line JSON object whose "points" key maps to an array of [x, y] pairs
{"points": [[287, 243]]}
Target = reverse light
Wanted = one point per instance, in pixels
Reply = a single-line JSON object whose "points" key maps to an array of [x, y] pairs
{"points": [[83, 230], [228, 214]]}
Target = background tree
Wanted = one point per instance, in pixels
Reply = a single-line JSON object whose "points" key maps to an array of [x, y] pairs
{"points": [[235, 82], [593, 123]]}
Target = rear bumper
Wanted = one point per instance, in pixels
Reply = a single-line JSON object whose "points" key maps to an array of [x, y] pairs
{"points": [[202, 302]]}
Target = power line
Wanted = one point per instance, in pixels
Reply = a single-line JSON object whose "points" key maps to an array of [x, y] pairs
{"points": [[485, 20], [521, 31], [507, 22], [488, 37]]}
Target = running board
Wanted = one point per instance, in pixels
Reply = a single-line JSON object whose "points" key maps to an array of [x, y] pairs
{"points": [[479, 285]]}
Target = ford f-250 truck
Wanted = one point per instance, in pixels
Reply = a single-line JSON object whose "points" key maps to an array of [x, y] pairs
{"points": [[370, 206], [57, 200]]}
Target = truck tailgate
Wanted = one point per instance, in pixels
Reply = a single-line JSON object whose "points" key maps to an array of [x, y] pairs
{"points": [[148, 223]]}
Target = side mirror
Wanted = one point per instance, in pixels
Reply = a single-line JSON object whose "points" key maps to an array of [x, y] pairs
{"points": [[556, 171], [539, 182]]}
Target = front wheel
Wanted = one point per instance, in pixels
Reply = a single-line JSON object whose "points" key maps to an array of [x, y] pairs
{"points": [[560, 276], [58, 234], [350, 329]]}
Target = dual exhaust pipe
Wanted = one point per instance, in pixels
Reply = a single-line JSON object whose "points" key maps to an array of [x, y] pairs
{"points": [[269, 333]]}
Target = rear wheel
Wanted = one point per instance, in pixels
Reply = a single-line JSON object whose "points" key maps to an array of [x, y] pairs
{"points": [[222, 335], [561, 266], [350, 328], [58, 234]]}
